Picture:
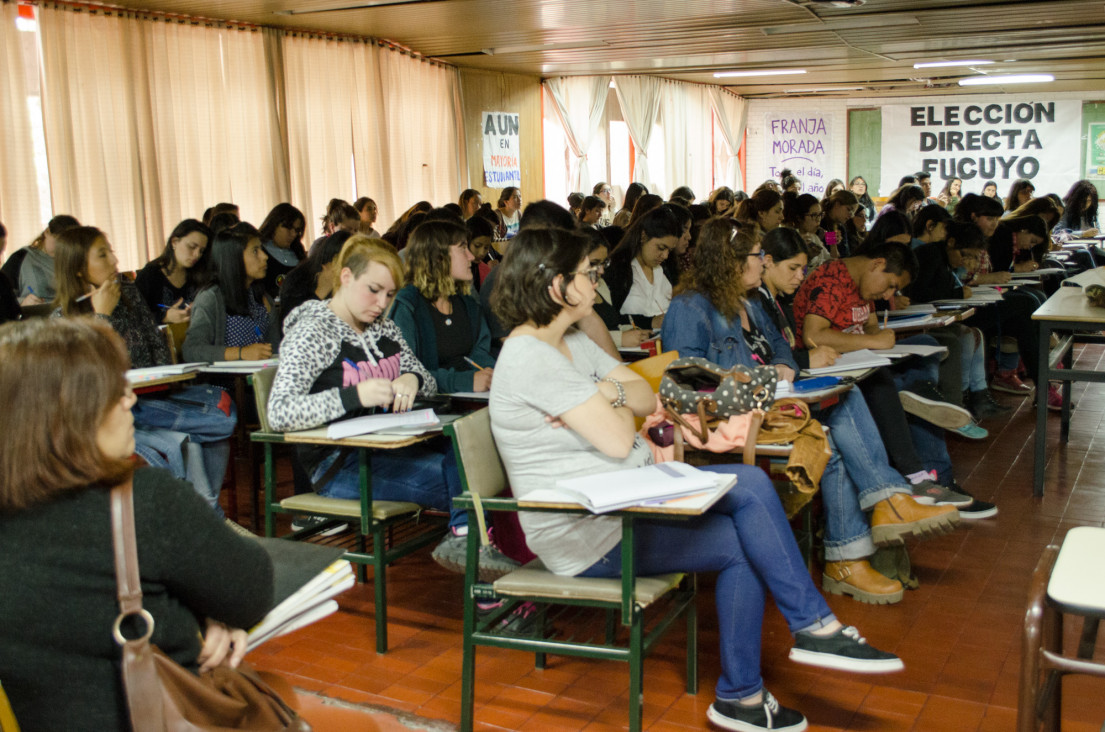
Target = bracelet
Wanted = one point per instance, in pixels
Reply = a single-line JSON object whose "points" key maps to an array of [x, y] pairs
{"points": [[620, 401]]}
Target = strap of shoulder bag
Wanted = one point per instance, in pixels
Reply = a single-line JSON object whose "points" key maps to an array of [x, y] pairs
{"points": [[128, 584]]}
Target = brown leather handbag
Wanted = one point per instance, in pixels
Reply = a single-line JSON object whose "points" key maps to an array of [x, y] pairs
{"points": [[163, 696]]}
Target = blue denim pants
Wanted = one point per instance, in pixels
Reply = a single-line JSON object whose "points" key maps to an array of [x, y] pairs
{"points": [[928, 439], [974, 359], [746, 539], [425, 474], [857, 477], [207, 416]]}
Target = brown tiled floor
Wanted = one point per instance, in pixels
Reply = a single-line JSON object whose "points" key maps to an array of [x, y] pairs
{"points": [[959, 634]]}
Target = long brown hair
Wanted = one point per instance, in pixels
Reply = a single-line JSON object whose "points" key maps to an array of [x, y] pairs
{"points": [[429, 261], [49, 444], [71, 267], [719, 259]]}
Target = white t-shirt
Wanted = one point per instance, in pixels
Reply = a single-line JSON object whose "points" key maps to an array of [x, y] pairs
{"points": [[647, 298], [533, 380]]}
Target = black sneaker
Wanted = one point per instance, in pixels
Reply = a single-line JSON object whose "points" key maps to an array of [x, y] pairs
{"points": [[844, 650], [303, 523], [931, 493], [922, 399], [767, 715], [976, 509]]}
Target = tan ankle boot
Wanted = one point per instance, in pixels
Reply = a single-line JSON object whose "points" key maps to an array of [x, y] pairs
{"points": [[900, 516], [860, 580]]}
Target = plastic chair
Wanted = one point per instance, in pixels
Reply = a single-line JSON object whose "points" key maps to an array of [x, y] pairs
{"points": [[395, 528], [560, 601]]}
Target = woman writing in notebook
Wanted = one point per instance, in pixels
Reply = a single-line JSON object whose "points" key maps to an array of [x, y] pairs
{"points": [[59, 457], [343, 358], [562, 408], [89, 283], [169, 283]]}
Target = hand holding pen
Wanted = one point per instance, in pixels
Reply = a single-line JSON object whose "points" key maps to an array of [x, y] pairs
{"points": [[481, 380], [178, 312]]}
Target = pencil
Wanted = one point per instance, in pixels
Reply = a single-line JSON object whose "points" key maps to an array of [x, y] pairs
{"points": [[885, 316], [474, 364], [810, 342]]}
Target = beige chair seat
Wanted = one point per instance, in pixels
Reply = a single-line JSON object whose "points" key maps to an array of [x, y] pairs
{"points": [[533, 580], [347, 507]]}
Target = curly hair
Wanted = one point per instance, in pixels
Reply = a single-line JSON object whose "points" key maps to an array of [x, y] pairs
{"points": [[718, 265], [429, 261]]}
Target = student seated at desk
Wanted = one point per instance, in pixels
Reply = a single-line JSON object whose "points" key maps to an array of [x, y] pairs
{"points": [[343, 358], [282, 236], [440, 320], [717, 315], [201, 581], [833, 308], [638, 286], [169, 283], [1079, 218], [31, 269], [9, 306], [313, 278], [89, 283], [233, 318], [561, 408]]}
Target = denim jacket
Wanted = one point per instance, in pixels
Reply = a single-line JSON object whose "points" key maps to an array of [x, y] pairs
{"points": [[694, 327]]}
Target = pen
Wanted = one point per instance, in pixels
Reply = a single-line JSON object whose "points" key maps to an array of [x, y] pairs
{"points": [[473, 363], [258, 332], [885, 316], [810, 341]]}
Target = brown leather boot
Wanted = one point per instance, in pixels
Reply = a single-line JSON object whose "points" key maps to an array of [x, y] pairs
{"points": [[900, 516], [860, 580]]}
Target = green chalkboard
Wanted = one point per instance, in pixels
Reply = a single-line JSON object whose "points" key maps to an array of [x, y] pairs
{"points": [[865, 147], [1092, 113]]}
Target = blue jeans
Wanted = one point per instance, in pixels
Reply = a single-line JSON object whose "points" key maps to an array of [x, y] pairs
{"points": [[206, 414], [425, 474], [746, 539], [928, 439], [857, 477], [974, 360]]}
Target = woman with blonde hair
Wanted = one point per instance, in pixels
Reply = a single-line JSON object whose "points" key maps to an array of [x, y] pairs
{"points": [[31, 268], [60, 457], [343, 357], [440, 320]]}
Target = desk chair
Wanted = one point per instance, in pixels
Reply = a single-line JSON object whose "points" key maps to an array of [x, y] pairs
{"points": [[395, 528], [561, 601], [1067, 581]]}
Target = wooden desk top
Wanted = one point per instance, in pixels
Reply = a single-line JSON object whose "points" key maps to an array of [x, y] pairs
{"points": [[318, 436], [1070, 303], [141, 386]]}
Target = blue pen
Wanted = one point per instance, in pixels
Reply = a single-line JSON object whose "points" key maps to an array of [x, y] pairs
{"points": [[165, 307], [258, 332], [30, 290]]}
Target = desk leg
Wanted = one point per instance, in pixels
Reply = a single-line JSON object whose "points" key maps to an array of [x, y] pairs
{"points": [[1064, 417], [1041, 409]]}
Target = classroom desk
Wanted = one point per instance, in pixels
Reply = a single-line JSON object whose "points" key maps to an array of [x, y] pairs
{"points": [[375, 521], [1067, 311], [148, 385]]}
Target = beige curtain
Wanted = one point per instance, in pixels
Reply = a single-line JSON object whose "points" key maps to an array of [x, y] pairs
{"points": [[579, 102], [686, 118], [92, 124], [406, 131], [731, 118], [639, 98], [19, 204], [319, 123]]}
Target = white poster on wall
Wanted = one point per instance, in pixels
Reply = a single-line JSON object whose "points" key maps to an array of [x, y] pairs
{"points": [[501, 150], [983, 140], [802, 142]]}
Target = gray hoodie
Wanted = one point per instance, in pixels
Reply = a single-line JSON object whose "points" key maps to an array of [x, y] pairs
{"points": [[37, 274]]}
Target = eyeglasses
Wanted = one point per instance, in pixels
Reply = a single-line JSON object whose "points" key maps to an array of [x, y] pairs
{"points": [[759, 254], [600, 265], [813, 215], [593, 273]]}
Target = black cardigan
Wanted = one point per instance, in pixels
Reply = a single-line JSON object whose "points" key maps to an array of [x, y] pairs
{"points": [[58, 661], [935, 278]]}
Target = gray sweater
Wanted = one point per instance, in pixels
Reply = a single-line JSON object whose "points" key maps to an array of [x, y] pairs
{"points": [[37, 273], [206, 336]]}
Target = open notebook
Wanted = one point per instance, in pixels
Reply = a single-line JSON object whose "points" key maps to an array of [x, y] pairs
{"points": [[650, 485]]}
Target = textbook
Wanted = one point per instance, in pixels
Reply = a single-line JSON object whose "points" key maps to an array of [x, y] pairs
{"points": [[647, 485], [137, 376], [413, 422], [306, 578]]}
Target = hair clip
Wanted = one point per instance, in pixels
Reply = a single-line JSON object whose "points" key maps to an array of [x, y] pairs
{"points": [[541, 267]]}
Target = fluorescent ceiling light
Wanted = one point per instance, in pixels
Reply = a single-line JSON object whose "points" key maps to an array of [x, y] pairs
{"points": [[758, 72], [361, 5], [1006, 79], [940, 64], [499, 50], [841, 24], [824, 89]]}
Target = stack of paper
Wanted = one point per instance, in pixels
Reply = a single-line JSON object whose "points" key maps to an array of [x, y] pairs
{"points": [[909, 311], [240, 367], [912, 321], [306, 578], [414, 422], [651, 484], [137, 376], [861, 359]]}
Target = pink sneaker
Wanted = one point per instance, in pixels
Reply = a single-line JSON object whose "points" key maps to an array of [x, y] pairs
{"points": [[1055, 398], [1010, 383]]}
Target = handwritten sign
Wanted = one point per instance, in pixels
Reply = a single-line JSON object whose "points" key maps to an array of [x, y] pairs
{"points": [[983, 140], [501, 150], [802, 143]]}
